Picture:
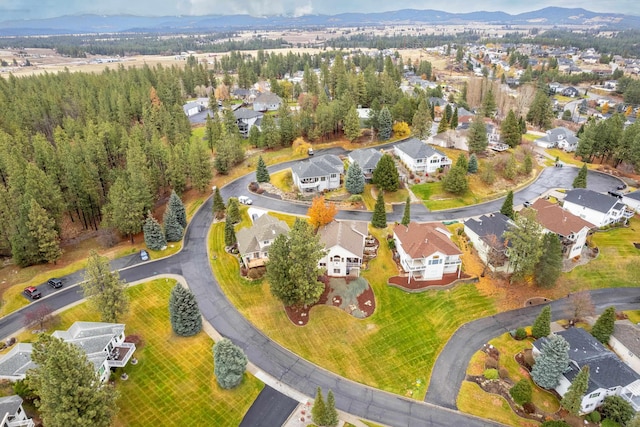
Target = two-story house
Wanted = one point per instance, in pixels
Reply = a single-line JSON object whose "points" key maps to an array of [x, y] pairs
{"points": [[254, 242], [246, 119], [571, 229], [344, 243], [420, 157], [597, 208], [560, 137], [426, 251], [267, 101], [12, 413], [625, 342], [318, 174], [632, 200], [367, 159], [486, 235]]}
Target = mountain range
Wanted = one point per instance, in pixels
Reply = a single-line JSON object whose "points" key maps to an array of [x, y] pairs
{"points": [[77, 24]]}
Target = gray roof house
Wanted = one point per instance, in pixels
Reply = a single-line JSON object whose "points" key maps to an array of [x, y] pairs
{"points": [[625, 342], [318, 173], [486, 234], [608, 375], [246, 119], [420, 157], [632, 200], [254, 242], [12, 413], [597, 208], [267, 101], [367, 159], [344, 242], [560, 137]]}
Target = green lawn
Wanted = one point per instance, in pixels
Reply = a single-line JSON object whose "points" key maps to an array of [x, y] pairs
{"points": [[436, 198], [393, 350], [473, 400], [568, 158], [173, 372], [390, 197], [282, 180]]}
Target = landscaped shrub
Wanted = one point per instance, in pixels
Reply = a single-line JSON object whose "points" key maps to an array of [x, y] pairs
{"points": [[230, 363], [528, 358], [504, 373], [491, 374], [521, 392], [184, 313], [491, 363], [594, 417], [521, 333], [529, 408], [617, 409]]}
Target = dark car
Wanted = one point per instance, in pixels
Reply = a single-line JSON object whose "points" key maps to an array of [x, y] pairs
{"points": [[617, 194], [32, 292], [55, 283], [144, 255], [621, 187]]}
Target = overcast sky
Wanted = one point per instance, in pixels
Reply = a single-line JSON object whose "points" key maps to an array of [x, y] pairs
{"points": [[33, 9]]}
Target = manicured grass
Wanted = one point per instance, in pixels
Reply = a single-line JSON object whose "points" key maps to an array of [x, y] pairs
{"points": [[173, 372], [634, 316], [390, 197], [393, 350], [436, 198], [282, 180], [569, 158], [531, 137], [473, 400]]}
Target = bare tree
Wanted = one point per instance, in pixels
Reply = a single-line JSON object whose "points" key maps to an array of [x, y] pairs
{"points": [[39, 316], [495, 253], [581, 305]]}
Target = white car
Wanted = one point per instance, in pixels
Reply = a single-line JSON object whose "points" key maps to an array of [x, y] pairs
{"points": [[245, 200]]}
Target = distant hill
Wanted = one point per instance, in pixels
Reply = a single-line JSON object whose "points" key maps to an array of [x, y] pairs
{"points": [[75, 24]]}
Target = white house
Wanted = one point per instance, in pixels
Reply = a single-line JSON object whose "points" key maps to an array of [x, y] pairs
{"points": [[632, 200], [597, 208], [426, 251], [12, 413], [102, 342], [194, 107], [571, 229], [318, 174], [246, 119], [254, 242], [267, 101], [625, 342], [608, 375], [344, 241], [367, 159], [420, 157], [486, 235], [555, 136]]}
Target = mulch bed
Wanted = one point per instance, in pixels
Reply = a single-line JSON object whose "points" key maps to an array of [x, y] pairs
{"points": [[416, 285]]}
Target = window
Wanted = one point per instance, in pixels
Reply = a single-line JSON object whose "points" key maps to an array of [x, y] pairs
{"points": [[334, 175], [435, 261], [593, 395], [419, 160], [336, 271], [435, 161], [324, 178], [322, 264]]}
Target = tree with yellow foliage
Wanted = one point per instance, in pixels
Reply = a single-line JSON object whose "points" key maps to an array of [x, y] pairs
{"points": [[401, 130], [321, 213], [605, 108]]}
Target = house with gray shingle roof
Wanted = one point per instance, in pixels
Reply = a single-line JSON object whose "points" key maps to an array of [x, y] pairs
{"points": [[597, 208], [318, 174], [246, 119], [267, 101], [344, 242], [625, 342], [420, 157], [558, 137], [367, 159], [254, 242], [486, 233], [12, 413], [632, 200]]}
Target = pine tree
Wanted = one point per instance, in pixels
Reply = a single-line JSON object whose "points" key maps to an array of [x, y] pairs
{"points": [[549, 267], [199, 166], [542, 325], [230, 363], [255, 137], [173, 231], [406, 216], [473, 164], [541, 111], [176, 205], [385, 175], [581, 179], [184, 313], [331, 418], [351, 125], [42, 230], [229, 233], [379, 219], [461, 162], [153, 234], [510, 168], [385, 124], [603, 328], [455, 181], [262, 174], [453, 124], [354, 182], [489, 103], [572, 399], [551, 363], [510, 130], [527, 164], [442, 126], [233, 211], [507, 206], [477, 136], [104, 289], [421, 122], [521, 392], [525, 238], [218, 204], [319, 410]]}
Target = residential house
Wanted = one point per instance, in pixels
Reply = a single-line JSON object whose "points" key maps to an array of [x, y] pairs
{"points": [[12, 413], [102, 342], [267, 101], [318, 174], [246, 119], [487, 236], [608, 375], [344, 242], [632, 200], [596, 208], [367, 159], [426, 251], [194, 107], [254, 242], [625, 342], [554, 136], [570, 91], [571, 229], [420, 157]]}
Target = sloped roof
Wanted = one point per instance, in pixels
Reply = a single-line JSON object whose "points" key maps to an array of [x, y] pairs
{"points": [[245, 113], [417, 149], [423, 240], [555, 219], [494, 224], [17, 361], [9, 405], [628, 334], [318, 166], [92, 337], [635, 195], [562, 132], [267, 98], [591, 199], [367, 158], [265, 227], [346, 234]]}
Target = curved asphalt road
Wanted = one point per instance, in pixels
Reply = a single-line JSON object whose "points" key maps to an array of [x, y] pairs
{"points": [[193, 263]]}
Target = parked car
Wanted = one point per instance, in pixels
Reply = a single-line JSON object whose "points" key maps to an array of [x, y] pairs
{"points": [[527, 204], [144, 255], [245, 200], [617, 194], [55, 283], [32, 292], [621, 187], [310, 152]]}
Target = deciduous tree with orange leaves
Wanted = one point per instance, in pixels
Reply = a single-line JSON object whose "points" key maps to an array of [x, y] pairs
{"points": [[321, 213]]}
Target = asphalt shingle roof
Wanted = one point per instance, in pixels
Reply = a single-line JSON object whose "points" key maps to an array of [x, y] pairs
{"points": [[555, 219], [417, 149], [592, 200], [423, 240], [367, 158], [265, 227], [489, 225], [9, 405], [347, 234], [318, 166]]}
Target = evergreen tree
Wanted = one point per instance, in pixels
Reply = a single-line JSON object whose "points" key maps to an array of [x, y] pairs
{"points": [[551, 363], [379, 219], [42, 230], [581, 179], [572, 399], [549, 267], [455, 181], [175, 204], [331, 418], [269, 130], [199, 166], [351, 125], [421, 122], [473, 164], [286, 125], [447, 114], [406, 216], [319, 410], [385, 124], [526, 244], [617, 409], [510, 168], [153, 234], [354, 182], [233, 211], [477, 136], [603, 328], [104, 289], [453, 124], [461, 162], [385, 175], [523, 125], [541, 111], [521, 392], [125, 210], [542, 325], [262, 174], [184, 313], [510, 130], [218, 204], [255, 137], [507, 206], [527, 164], [442, 126], [229, 233], [489, 104], [173, 231], [68, 388], [229, 362]]}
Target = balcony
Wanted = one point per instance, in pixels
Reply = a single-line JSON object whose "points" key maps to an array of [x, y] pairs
{"points": [[120, 355]]}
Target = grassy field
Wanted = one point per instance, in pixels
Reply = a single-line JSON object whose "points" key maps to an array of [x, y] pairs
{"points": [[569, 158], [369, 199], [173, 372], [473, 400], [283, 180], [436, 198], [393, 350]]}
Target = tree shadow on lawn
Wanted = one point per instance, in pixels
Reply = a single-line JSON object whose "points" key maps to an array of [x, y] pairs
{"points": [[352, 295]]}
